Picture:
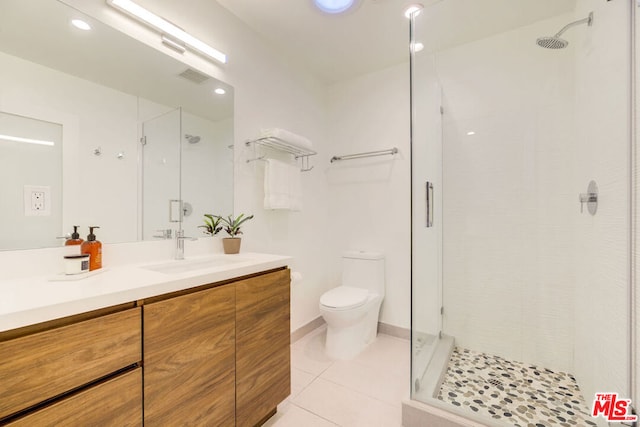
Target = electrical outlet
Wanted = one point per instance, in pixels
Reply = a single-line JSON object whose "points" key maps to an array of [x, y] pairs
{"points": [[37, 200]]}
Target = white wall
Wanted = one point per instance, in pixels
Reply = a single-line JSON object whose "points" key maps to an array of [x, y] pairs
{"points": [[369, 198], [602, 153]]}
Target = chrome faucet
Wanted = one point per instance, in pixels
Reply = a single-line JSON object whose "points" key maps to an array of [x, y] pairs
{"points": [[180, 238], [164, 234]]}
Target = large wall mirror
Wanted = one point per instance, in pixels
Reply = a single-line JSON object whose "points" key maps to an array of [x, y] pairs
{"points": [[144, 145]]}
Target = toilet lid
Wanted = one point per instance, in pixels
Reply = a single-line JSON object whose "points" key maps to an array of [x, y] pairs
{"points": [[344, 297]]}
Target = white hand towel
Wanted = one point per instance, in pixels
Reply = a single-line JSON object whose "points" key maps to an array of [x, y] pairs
{"points": [[282, 189]]}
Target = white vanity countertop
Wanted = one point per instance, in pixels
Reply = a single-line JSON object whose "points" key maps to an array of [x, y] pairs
{"points": [[27, 301]]}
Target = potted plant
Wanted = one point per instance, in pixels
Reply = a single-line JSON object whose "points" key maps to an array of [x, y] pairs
{"points": [[211, 224], [231, 244]]}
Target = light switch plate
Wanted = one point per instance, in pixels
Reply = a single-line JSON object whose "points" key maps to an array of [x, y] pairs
{"points": [[37, 200]]}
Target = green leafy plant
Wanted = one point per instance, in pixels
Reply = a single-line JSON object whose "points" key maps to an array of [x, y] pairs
{"points": [[232, 226], [211, 224]]}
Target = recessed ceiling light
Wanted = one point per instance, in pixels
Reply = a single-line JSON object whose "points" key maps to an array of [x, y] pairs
{"points": [[471, 133], [220, 91], [79, 23], [334, 6], [413, 9]]}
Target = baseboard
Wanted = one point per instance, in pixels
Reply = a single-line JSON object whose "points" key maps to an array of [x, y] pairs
{"points": [[305, 329], [383, 328], [394, 331]]}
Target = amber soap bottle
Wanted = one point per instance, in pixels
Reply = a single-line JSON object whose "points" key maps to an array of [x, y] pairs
{"points": [[92, 247], [75, 238]]}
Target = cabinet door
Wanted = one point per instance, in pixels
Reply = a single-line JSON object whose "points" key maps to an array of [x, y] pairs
{"points": [[263, 358], [189, 359], [116, 402]]}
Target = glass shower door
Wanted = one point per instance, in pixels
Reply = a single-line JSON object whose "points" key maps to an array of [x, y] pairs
{"points": [[519, 267], [426, 176], [161, 207]]}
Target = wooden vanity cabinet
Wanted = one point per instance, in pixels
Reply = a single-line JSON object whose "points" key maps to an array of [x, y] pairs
{"points": [[189, 359], [263, 357], [216, 355], [57, 370]]}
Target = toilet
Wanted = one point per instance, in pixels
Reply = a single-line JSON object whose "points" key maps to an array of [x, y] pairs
{"points": [[351, 310]]}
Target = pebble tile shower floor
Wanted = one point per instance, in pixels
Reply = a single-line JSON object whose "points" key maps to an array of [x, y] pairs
{"points": [[514, 393]]}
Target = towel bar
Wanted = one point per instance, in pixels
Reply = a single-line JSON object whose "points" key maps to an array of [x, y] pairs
{"points": [[390, 151]]}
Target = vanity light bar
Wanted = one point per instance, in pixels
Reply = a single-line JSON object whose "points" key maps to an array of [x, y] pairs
{"points": [[27, 140], [167, 27]]}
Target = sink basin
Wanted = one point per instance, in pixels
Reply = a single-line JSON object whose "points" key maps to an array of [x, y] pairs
{"points": [[184, 266]]}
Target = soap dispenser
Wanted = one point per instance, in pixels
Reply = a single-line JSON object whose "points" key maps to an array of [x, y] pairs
{"points": [[92, 247], [75, 238]]}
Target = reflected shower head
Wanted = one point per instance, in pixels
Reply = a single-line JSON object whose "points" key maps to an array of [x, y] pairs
{"points": [[555, 42], [193, 139]]}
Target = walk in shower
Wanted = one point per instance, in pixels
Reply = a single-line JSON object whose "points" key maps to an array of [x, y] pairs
{"points": [[521, 201]]}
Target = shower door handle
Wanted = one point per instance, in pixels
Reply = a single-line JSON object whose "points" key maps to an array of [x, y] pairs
{"points": [[429, 200]]}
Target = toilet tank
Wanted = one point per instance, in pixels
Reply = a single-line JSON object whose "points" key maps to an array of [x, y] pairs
{"points": [[363, 270]]}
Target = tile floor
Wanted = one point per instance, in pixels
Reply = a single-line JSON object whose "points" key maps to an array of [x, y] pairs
{"points": [[364, 392]]}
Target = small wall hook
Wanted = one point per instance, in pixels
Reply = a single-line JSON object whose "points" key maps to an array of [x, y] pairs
{"points": [[98, 151]]}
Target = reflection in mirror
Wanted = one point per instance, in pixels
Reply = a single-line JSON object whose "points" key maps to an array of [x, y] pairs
{"points": [[182, 148], [31, 185], [207, 170], [101, 86]]}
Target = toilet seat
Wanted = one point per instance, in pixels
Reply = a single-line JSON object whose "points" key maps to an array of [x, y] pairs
{"points": [[344, 298]]}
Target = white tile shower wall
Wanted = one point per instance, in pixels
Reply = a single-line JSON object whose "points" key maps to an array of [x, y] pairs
{"points": [[509, 206], [602, 147], [369, 198], [268, 92]]}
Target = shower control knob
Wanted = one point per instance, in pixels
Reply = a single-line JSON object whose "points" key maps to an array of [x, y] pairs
{"points": [[590, 198]]}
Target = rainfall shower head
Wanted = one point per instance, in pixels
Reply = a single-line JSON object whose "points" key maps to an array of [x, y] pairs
{"points": [[192, 139], [555, 42]]}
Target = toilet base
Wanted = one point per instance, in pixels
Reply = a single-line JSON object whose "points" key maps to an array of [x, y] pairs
{"points": [[345, 343]]}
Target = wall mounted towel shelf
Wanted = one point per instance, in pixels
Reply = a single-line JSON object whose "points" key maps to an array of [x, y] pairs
{"points": [[390, 151], [278, 144]]}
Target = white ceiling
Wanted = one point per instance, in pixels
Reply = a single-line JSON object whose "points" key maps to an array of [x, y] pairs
{"points": [[375, 34]]}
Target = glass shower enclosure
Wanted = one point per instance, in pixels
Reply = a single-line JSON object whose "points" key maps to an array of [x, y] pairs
{"points": [[521, 209]]}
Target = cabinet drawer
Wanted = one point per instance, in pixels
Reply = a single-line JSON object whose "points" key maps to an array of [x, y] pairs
{"points": [[117, 402], [43, 365]]}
